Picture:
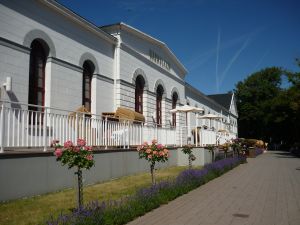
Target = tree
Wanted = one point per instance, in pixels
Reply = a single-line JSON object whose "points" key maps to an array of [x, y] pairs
{"points": [[254, 100], [267, 110]]}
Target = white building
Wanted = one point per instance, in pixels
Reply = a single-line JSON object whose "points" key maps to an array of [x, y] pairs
{"points": [[53, 61]]}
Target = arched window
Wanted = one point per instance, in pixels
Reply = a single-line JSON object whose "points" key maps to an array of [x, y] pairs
{"points": [[139, 90], [174, 103], [36, 91], [88, 70], [159, 95]]}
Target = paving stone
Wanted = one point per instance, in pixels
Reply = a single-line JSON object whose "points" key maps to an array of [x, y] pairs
{"points": [[265, 191]]}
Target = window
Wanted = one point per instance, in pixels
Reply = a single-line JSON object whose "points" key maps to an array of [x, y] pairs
{"points": [[139, 89], [159, 94], [174, 103], [38, 59], [88, 70]]}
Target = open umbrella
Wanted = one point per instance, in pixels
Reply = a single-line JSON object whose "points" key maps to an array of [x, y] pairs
{"points": [[210, 117], [186, 109]]}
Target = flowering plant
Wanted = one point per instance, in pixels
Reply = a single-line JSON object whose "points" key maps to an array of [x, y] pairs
{"points": [[153, 153], [78, 155]]}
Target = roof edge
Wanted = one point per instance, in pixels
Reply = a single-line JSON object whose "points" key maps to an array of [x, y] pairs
{"points": [[79, 19], [151, 39], [205, 96]]}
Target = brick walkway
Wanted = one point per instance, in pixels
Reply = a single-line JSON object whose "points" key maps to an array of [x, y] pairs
{"points": [[265, 191]]}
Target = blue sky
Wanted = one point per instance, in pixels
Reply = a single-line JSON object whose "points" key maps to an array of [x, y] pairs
{"points": [[220, 42]]}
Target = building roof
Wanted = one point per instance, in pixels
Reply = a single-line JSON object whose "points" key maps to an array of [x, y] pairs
{"points": [[80, 20], [204, 96], [222, 99]]}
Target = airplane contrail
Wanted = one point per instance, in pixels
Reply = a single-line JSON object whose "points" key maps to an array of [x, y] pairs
{"points": [[233, 59]]}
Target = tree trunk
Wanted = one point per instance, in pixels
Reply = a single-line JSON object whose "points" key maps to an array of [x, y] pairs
{"points": [[79, 188], [152, 173], [190, 162]]}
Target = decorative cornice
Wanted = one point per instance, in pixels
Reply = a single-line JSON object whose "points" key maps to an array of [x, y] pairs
{"points": [[65, 64], [126, 83], [14, 45], [104, 78], [168, 100], [150, 93]]}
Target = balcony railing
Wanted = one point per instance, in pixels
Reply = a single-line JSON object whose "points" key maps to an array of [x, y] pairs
{"points": [[21, 127]]}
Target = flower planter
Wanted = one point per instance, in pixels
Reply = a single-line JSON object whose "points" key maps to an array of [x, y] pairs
{"points": [[252, 153]]}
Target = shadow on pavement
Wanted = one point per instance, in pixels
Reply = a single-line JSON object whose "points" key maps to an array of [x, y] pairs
{"points": [[285, 155]]}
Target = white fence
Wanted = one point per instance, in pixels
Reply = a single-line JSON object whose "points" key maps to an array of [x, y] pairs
{"points": [[203, 137], [21, 127]]}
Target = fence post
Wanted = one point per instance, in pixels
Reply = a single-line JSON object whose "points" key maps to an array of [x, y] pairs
{"points": [[181, 131], [2, 129], [128, 135], [105, 132], [76, 128], [156, 132], [83, 132], [45, 130]]}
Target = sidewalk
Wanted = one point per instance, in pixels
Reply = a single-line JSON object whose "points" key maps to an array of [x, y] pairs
{"points": [[265, 191]]}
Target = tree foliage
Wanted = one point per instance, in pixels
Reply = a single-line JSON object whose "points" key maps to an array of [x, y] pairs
{"points": [[267, 110]]}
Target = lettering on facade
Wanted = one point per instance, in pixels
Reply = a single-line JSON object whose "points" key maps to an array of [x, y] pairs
{"points": [[154, 57]]}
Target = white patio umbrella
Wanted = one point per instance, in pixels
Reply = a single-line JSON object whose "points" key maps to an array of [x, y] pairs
{"points": [[210, 117], [186, 109]]}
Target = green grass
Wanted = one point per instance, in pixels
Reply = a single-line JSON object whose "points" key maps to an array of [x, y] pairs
{"points": [[37, 209]]}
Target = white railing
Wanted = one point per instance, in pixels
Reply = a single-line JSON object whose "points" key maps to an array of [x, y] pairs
{"points": [[22, 127], [203, 137]]}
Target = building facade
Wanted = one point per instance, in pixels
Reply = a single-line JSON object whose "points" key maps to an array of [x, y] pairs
{"points": [[52, 58]]}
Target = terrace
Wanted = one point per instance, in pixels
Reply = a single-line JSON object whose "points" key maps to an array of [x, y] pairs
{"points": [[25, 126]]}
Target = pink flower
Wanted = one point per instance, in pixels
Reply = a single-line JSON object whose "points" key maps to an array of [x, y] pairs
{"points": [[148, 151], [89, 157], [76, 149], [160, 146], [161, 153], [154, 141], [149, 156], [154, 152], [58, 153], [81, 142], [88, 148], [166, 151], [68, 144]]}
